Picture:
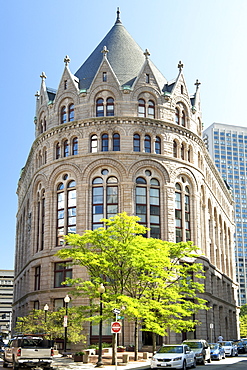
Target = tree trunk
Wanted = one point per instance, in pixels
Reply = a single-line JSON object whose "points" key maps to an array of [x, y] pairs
{"points": [[136, 341], [114, 349], [154, 342]]}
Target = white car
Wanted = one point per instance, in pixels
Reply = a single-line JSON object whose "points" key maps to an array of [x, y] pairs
{"points": [[175, 356], [230, 348]]}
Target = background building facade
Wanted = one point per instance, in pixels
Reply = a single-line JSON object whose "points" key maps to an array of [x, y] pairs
{"points": [[6, 300], [227, 146], [117, 136]]}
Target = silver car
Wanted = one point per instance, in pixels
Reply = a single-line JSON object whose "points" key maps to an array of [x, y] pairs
{"points": [[175, 356]]}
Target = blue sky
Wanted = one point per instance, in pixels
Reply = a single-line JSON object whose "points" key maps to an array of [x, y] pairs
{"points": [[209, 36]]}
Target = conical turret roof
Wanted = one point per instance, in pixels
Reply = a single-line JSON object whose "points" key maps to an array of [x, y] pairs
{"points": [[124, 55]]}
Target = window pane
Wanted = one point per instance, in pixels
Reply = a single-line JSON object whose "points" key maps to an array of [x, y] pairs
{"points": [[112, 194], [71, 198]]}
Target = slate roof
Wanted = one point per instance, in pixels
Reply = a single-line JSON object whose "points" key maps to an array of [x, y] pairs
{"points": [[125, 57]]}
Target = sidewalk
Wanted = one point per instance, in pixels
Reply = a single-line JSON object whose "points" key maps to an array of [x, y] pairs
{"points": [[62, 363]]}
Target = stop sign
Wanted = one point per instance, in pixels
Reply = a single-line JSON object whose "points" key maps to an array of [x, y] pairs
{"points": [[116, 327]]}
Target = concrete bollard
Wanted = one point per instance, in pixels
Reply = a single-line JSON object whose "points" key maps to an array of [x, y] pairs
{"points": [[125, 358], [145, 355], [86, 357]]}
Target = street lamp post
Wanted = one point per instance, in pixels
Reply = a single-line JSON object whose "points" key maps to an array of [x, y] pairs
{"points": [[46, 308], [101, 290], [65, 322]]}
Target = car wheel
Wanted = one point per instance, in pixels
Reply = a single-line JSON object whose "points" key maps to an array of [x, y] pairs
{"points": [[184, 366], [203, 362], [15, 365], [5, 364]]}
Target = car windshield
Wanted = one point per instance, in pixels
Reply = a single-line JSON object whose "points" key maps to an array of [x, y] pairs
{"points": [[214, 346], [171, 349], [194, 344], [226, 343]]}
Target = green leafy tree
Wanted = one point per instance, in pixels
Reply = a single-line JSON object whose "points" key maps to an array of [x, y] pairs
{"points": [[243, 321], [155, 281], [51, 324]]}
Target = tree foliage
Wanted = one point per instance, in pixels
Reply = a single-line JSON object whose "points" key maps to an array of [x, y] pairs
{"points": [[51, 324], [157, 282], [243, 321]]}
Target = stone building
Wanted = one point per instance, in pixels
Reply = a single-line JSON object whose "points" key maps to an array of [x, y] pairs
{"points": [[117, 136]]}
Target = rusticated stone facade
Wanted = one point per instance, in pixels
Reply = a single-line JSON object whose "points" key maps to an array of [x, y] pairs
{"points": [[114, 137]]}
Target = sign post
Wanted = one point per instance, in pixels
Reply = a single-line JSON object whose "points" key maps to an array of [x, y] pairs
{"points": [[115, 329], [211, 331]]}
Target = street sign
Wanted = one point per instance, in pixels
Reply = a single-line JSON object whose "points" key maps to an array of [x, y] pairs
{"points": [[211, 326], [116, 327], [65, 321], [116, 311]]}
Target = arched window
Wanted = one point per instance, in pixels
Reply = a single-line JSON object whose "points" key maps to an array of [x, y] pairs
{"points": [[99, 107], [141, 108], [116, 142], [63, 114], [75, 146], [177, 116], [136, 143], [66, 210], [105, 200], [104, 143], [175, 149], [110, 107], [44, 124], [148, 205], [147, 144], [94, 144], [151, 109], [182, 213], [157, 145], [58, 151], [183, 119], [40, 221], [71, 112], [66, 148], [182, 151]]}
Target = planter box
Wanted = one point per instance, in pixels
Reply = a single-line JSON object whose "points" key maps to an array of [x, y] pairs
{"points": [[78, 358], [121, 349]]}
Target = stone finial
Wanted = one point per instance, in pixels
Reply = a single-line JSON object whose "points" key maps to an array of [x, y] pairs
{"points": [[146, 53], [197, 83], [37, 95], [43, 76], [66, 60], [118, 16], [180, 66], [104, 51]]}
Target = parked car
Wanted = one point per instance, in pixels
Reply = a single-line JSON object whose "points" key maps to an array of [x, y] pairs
{"points": [[174, 356], [241, 346], [217, 352], [201, 349], [230, 348]]}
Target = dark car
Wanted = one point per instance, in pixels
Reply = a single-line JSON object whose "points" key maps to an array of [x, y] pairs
{"points": [[217, 352], [241, 346]]}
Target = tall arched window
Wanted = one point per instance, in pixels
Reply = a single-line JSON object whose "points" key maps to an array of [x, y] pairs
{"points": [[94, 144], [147, 144], [40, 221], [66, 210], [157, 145], [71, 112], [58, 151], [177, 116], [136, 143], [141, 108], [182, 151], [99, 107], [104, 143], [63, 114], [148, 205], [104, 200], [183, 119], [75, 146], [182, 213], [116, 142], [151, 109], [175, 149], [110, 107], [66, 148]]}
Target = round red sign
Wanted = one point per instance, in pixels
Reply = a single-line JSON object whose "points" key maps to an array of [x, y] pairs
{"points": [[116, 327]]}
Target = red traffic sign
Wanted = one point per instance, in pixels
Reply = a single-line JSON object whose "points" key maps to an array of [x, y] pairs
{"points": [[116, 327]]}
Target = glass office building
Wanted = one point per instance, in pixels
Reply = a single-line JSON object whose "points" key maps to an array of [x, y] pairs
{"points": [[227, 145]]}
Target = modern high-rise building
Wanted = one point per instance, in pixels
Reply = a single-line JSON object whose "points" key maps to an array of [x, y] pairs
{"points": [[6, 300], [227, 145], [118, 136]]}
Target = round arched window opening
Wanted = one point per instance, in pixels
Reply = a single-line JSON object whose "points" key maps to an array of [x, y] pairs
{"points": [[148, 173], [104, 172]]}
